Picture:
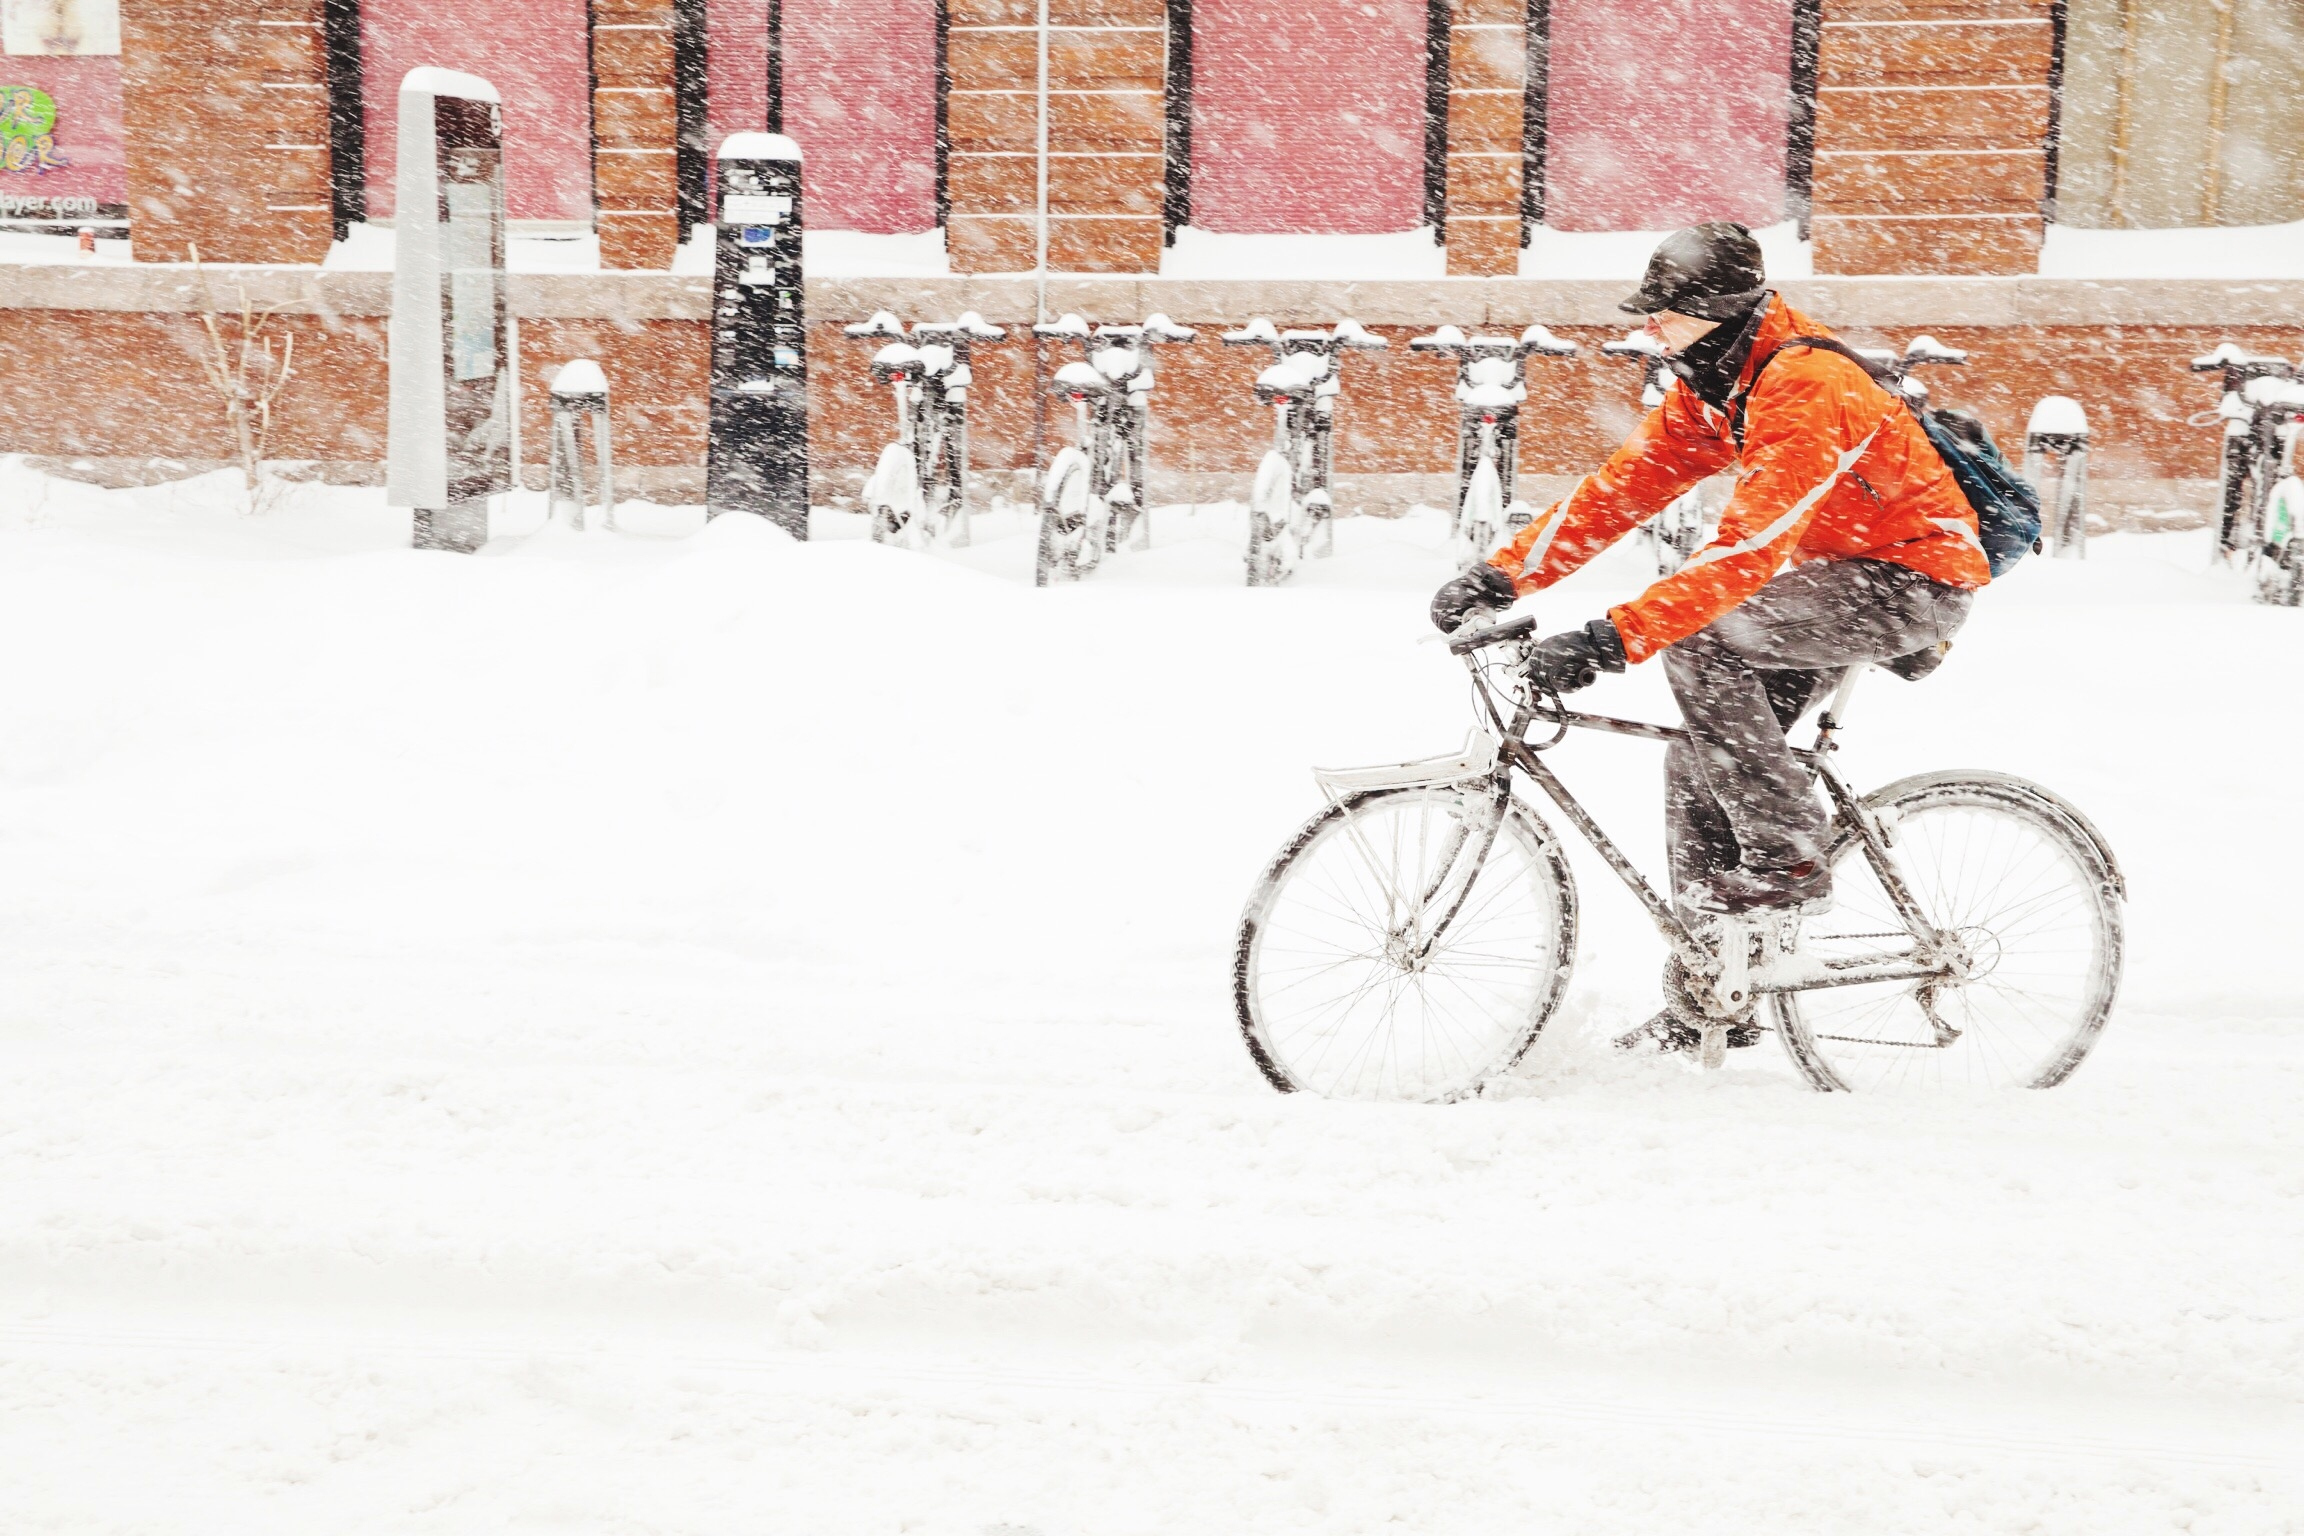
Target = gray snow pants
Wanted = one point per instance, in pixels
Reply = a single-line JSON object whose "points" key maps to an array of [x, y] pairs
{"points": [[1733, 792]]}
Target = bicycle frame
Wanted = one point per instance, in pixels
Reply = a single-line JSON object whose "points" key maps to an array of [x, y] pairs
{"points": [[2254, 424], [1507, 750]]}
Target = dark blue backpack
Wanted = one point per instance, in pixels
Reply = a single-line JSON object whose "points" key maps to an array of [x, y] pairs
{"points": [[2007, 507]]}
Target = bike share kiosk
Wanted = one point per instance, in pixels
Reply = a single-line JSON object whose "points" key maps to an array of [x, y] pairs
{"points": [[757, 460], [450, 442]]}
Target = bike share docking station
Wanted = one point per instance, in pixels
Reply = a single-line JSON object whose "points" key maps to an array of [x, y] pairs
{"points": [[449, 443], [757, 458]]}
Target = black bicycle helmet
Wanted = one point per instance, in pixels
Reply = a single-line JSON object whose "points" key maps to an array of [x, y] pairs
{"points": [[1712, 271]]}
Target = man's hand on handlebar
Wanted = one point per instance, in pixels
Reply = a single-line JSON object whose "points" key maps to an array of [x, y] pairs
{"points": [[1575, 658], [1481, 589]]}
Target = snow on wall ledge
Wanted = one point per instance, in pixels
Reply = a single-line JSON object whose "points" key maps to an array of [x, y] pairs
{"points": [[619, 296]]}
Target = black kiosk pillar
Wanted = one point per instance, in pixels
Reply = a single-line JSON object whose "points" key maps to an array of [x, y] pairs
{"points": [[758, 456], [450, 443]]}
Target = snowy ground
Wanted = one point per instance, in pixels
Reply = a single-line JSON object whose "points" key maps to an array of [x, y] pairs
{"points": [[706, 1034]]}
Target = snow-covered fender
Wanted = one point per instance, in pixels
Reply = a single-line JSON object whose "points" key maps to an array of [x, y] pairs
{"points": [[2047, 799], [895, 482]]}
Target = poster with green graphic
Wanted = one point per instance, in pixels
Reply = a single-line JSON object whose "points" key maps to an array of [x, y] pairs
{"points": [[28, 130]]}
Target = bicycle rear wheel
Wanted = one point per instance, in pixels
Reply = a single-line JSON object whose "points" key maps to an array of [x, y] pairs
{"points": [[1405, 945], [2033, 903], [1271, 511], [1064, 521], [1480, 521]]}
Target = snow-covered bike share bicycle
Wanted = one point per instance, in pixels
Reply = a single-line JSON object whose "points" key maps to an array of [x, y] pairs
{"points": [[1677, 532], [2056, 448], [1092, 493], [2261, 405], [1292, 508], [1413, 938], [1490, 385], [918, 493]]}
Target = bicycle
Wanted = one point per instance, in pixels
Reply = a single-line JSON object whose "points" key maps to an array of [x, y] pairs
{"points": [[1673, 535], [2261, 403], [1090, 496], [1292, 506], [1413, 937], [1490, 386], [917, 495], [2056, 446]]}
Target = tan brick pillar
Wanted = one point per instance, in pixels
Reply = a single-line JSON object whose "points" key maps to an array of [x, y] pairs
{"points": [[635, 170], [1107, 67], [1931, 128], [238, 164], [1487, 86]]}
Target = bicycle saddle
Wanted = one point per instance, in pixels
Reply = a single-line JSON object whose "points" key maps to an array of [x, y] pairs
{"points": [[899, 363], [935, 357], [2272, 390], [1077, 381], [1117, 363], [1298, 374], [1490, 382]]}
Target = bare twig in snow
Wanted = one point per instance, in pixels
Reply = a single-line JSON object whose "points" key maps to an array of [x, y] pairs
{"points": [[245, 375]]}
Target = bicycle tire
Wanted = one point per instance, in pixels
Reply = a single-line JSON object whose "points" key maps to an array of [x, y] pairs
{"points": [[892, 495], [1271, 510], [1063, 518], [1306, 911], [939, 495], [2041, 899], [2231, 494]]}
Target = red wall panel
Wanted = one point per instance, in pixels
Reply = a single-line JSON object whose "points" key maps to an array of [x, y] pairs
{"points": [[533, 53], [860, 99], [1307, 117], [1665, 112]]}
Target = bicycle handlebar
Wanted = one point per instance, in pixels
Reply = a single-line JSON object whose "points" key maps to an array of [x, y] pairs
{"points": [[1154, 330], [1535, 341], [1465, 642], [1347, 332]]}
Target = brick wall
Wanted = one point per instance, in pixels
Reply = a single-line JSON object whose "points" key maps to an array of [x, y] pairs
{"points": [[1107, 67], [635, 168], [1930, 127], [134, 381], [235, 163], [1487, 84]]}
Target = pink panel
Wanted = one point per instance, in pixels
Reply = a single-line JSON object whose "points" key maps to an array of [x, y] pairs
{"points": [[737, 54], [1307, 116], [88, 134], [532, 52], [1667, 112], [860, 98]]}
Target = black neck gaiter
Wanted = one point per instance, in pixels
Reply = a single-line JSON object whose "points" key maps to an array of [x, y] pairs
{"points": [[1711, 364]]}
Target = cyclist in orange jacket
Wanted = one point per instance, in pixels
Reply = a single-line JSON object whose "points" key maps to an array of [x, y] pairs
{"points": [[1847, 542]]}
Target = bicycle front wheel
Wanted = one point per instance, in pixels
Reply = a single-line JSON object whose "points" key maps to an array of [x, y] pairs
{"points": [[2031, 903], [1407, 944]]}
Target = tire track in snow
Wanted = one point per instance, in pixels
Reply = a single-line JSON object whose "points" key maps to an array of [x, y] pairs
{"points": [[842, 1374]]}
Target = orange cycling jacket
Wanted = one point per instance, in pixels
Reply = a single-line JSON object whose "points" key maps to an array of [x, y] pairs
{"points": [[1833, 467]]}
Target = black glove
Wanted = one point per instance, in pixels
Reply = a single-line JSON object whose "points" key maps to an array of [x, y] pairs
{"points": [[1478, 590], [1575, 658]]}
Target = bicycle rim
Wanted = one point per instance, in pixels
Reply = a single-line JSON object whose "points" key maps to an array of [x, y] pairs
{"points": [[1346, 980], [2032, 904]]}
